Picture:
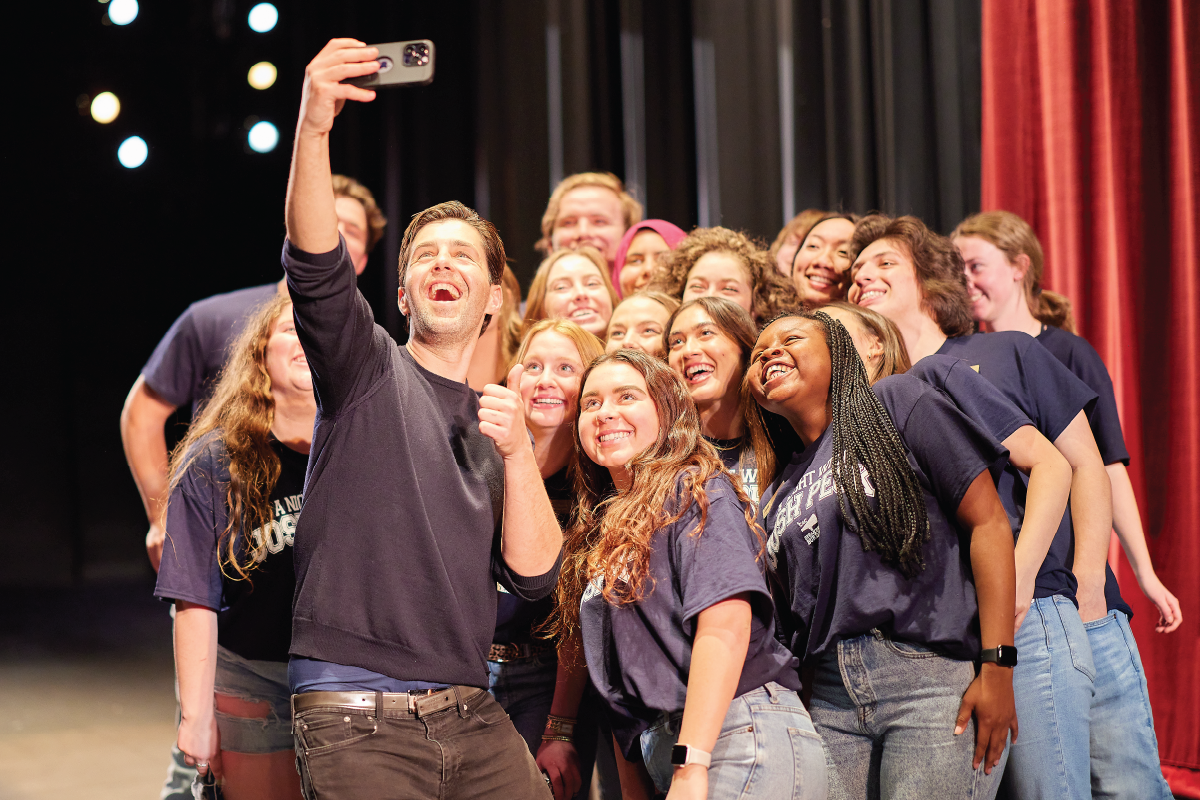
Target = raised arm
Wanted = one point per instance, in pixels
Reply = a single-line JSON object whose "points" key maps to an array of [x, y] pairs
{"points": [[309, 210], [1049, 486], [143, 420], [531, 540], [1091, 514], [1127, 522]]}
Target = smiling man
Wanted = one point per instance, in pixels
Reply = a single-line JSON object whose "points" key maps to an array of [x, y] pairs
{"points": [[420, 497]]}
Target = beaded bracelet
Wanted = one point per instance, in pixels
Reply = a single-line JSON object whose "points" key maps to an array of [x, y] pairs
{"points": [[550, 737]]}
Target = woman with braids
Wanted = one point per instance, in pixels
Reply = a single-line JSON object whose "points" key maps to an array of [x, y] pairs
{"points": [[894, 562], [661, 577], [708, 345], [1003, 261], [821, 268], [236, 483], [718, 262], [916, 278]]}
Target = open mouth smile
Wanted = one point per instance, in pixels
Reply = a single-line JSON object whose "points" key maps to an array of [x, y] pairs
{"points": [[443, 292], [698, 373]]}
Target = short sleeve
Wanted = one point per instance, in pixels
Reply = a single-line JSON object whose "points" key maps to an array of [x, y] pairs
{"points": [[1058, 396], [949, 448], [722, 561], [976, 397], [175, 370], [196, 518]]}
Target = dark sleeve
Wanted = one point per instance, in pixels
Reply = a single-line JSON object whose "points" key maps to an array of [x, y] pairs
{"points": [[1058, 396], [976, 397], [1103, 419], [530, 588], [950, 449], [722, 561], [175, 370], [335, 325], [196, 517]]}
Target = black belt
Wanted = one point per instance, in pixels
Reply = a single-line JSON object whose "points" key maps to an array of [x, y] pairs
{"points": [[517, 652]]}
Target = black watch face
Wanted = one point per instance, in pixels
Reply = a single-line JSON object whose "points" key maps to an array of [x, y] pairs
{"points": [[679, 754], [1006, 656]]}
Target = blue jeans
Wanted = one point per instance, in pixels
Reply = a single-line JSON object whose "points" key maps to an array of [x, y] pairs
{"points": [[1053, 684], [886, 711], [767, 749], [1124, 748], [525, 690], [257, 682]]}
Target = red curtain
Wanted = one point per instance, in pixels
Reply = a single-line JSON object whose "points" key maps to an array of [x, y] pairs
{"points": [[1090, 120]]}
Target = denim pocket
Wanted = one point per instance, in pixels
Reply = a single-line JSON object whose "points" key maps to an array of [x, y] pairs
{"points": [[907, 650], [486, 710], [1076, 632], [327, 731]]}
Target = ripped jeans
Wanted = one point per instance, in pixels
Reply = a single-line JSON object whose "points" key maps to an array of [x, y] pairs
{"points": [[256, 682]]}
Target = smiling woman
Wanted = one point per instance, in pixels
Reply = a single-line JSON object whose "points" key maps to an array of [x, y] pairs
{"points": [[821, 267], [655, 510], [573, 285]]}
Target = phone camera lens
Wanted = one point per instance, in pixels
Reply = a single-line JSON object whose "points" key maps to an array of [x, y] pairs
{"points": [[385, 64], [416, 55]]}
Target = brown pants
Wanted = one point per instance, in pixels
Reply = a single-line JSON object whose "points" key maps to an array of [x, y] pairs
{"points": [[359, 754]]}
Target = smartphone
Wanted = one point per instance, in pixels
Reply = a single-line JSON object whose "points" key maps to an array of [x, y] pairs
{"points": [[400, 64]]}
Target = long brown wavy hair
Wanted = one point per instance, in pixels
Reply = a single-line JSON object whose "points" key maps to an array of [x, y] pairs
{"points": [[1014, 237], [610, 533], [240, 415], [770, 292]]}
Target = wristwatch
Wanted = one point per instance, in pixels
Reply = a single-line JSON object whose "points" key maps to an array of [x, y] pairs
{"points": [[1005, 656], [684, 754]]}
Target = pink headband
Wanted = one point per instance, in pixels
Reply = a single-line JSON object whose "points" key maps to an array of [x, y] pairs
{"points": [[672, 234]]}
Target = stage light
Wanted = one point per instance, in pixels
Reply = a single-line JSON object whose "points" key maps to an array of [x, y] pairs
{"points": [[262, 17], [263, 137], [122, 12], [262, 75], [133, 151], [105, 107]]}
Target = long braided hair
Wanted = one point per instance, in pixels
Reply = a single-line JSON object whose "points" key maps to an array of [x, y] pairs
{"points": [[865, 444]]}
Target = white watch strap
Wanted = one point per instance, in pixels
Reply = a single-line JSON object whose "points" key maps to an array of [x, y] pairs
{"points": [[697, 756]]}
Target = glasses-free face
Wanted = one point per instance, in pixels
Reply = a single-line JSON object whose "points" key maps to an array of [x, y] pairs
{"points": [[575, 291], [885, 280], [447, 288], [789, 369], [720, 274], [589, 215], [994, 284], [617, 418], [550, 383], [286, 364], [821, 270], [708, 360], [641, 259], [638, 324]]}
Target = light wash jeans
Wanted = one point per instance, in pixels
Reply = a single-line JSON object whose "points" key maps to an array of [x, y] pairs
{"points": [[1053, 684], [767, 749], [886, 711], [257, 682], [1125, 761]]}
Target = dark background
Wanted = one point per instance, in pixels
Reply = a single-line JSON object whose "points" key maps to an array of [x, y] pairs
{"points": [[885, 101]]}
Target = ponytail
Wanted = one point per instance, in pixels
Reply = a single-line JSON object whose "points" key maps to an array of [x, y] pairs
{"points": [[1055, 310]]}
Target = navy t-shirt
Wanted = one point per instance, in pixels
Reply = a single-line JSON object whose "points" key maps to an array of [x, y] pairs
{"points": [[254, 615], [738, 457], [516, 618], [836, 590], [1082, 359], [1051, 396], [976, 397], [639, 654], [185, 365]]}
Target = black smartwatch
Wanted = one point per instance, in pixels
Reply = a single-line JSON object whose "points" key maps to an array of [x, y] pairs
{"points": [[1005, 656]]}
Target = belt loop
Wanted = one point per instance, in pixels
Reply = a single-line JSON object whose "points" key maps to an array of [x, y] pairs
{"points": [[773, 690], [462, 704], [378, 705]]}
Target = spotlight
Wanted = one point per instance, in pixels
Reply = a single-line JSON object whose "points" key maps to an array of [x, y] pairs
{"points": [[133, 151], [262, 17], [105, 107], [262, 75], [263, 137], [122, 12]]}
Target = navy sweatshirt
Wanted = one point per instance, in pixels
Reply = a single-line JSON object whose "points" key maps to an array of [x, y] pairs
{"points": [[398, 549]]}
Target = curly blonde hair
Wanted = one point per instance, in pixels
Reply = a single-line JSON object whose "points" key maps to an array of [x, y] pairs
{"points": [[771, 294]]}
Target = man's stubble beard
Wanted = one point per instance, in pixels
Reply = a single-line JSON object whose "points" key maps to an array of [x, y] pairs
{"points": [[443, 332]]}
